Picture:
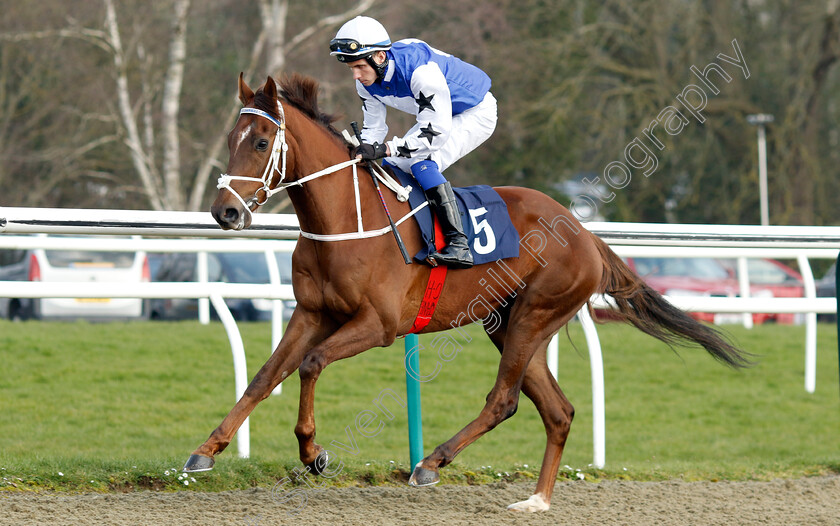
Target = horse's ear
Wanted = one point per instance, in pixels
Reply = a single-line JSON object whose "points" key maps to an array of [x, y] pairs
{"points": [[245, 93], [270, 88]]}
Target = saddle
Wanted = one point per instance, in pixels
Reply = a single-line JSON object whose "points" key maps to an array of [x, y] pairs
{"points": [[487, 224]]}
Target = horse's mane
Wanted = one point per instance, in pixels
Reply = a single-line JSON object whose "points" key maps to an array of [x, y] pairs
{"points": [[301, 92]]}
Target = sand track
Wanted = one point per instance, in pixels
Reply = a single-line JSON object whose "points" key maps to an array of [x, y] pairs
{"points": [[808, 501]]}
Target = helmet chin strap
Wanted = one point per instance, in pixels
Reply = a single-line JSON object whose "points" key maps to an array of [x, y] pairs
{"points": [[378, 68]]}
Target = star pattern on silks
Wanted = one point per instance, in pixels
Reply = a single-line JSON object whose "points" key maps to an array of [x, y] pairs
{"points": [[364, 103], [424, 102], [428, 133], [405, 151]]}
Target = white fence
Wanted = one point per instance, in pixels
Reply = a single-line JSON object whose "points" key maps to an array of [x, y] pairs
{"points": [[720, 241], [140, 223], [121, 223], [215, 293], [627, 239]]}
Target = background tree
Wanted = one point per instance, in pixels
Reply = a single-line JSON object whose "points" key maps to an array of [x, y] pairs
{"points": [[126, 104], [147, 61], [622, 62]]}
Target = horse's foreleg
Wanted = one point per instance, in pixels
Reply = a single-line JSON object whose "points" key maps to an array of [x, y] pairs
{"points": [[299, 337], [363, 332]]}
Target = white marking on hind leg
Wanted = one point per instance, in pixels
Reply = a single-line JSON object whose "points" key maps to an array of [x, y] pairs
{"points": [[533, 504]]}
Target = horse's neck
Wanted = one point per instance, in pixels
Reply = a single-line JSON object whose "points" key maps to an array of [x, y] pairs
{"points": [[325, 205]]}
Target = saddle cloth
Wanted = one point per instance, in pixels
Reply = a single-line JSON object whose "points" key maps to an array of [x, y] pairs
{"points": [[484, 215]]}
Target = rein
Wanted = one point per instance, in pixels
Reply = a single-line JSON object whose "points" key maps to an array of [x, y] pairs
{"points": [[277, 163]]}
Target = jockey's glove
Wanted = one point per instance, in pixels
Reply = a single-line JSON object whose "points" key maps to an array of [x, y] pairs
{"points": [[371, 152]]}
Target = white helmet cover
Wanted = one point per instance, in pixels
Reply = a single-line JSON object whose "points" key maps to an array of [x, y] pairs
{"points": [[359, 37]]}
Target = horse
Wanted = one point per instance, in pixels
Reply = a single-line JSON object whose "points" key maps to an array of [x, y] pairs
{"points": [[355, 292]]}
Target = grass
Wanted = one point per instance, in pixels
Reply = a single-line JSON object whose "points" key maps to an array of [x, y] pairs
{"points": [[119, 406]]}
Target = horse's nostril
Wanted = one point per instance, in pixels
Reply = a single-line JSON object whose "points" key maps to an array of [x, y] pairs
{"points": [[231, 215]]}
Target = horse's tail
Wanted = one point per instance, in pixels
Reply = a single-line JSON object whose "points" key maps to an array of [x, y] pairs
{"points": [[647, 310]]}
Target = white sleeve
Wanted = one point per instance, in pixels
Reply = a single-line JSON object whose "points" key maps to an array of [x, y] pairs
{"points": [[434, 116], [374, 126]]}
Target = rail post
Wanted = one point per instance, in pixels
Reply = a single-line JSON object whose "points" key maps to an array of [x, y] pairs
{"points": [[837, 316], [412, 391]]}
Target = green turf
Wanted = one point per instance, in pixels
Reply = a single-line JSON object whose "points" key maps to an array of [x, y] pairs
{"points": [[121, 406]]}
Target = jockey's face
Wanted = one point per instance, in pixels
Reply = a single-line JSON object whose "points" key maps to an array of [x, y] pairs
{"points": [[362, 70]]}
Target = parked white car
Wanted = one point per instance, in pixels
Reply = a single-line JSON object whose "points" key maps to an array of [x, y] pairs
{"points": [[229, 267], [72, 266]]}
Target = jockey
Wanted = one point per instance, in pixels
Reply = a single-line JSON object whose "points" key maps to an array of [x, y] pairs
{"points": [[451, 99]]}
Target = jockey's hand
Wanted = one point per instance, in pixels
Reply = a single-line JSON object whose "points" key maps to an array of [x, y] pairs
{"points": [[371, 152]]}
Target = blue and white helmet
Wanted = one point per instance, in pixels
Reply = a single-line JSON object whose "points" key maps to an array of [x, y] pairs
{"points": [[358, 39]]}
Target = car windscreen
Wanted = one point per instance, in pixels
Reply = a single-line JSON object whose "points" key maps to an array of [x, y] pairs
{"points": [[242, 267], [284, 265], [701, 268], [85, 258], [766, 273]]}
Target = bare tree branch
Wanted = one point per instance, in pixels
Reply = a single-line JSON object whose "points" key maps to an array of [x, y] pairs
{"points": [[211, 158], [274, 24], [93, 36], [171, 96], [327, 21], [64, 156], [148, 121], [275, 65], [133, 141]]}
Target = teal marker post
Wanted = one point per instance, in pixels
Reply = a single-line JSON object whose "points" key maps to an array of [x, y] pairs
{"points": [[412, 391]]}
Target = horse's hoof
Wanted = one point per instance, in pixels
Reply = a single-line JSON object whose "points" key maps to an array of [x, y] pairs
{"points": [[198, 463], [317, 466], [533, 504], [423, 477]]}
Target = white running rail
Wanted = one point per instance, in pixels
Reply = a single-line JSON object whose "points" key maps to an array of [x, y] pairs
{"points": [[627, 239]]}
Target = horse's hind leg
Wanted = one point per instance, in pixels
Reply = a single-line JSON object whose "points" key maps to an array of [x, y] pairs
{"points": [[557, 413], [531, 333]]}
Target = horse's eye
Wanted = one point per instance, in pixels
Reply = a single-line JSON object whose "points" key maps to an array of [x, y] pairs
{"points": [[262, 145]]}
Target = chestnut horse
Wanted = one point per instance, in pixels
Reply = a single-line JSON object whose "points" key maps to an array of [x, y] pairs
{"points": [[354, 294]]}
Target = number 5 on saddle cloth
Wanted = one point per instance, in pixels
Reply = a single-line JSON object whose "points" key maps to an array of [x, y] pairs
{"points": [[486, 221]]}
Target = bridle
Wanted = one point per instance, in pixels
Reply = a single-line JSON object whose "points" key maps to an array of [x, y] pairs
{"points": [[277, 163]]}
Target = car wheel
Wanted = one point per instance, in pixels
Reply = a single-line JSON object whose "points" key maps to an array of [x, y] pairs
{"points": [[15, 311]]}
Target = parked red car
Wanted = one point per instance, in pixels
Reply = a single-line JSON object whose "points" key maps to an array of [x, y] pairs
{"points": [[717, 278], [774, 276]]}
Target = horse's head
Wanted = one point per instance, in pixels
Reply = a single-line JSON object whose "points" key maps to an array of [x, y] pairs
{"points": [[257, 162]]}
